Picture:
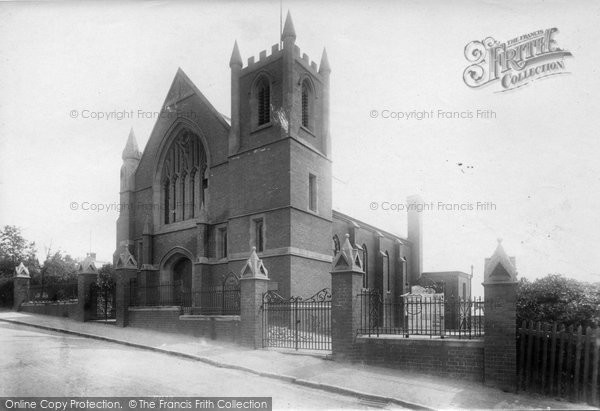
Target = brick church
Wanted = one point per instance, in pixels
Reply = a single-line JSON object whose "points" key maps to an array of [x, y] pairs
{"points": [[208, 188]]}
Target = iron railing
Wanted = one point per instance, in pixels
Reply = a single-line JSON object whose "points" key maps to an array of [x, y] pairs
{"points": [[217, 300], [212, 301], [296, 322], [168, 294], [420, 315], [54, 292]]}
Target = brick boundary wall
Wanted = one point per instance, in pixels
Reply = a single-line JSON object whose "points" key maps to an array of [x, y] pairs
{"points": [[452, 358], [168, 319], [491, 359], [54, 309]]}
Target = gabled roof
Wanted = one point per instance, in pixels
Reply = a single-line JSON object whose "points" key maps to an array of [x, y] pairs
{"points": [[181, 88], [345, 217]]}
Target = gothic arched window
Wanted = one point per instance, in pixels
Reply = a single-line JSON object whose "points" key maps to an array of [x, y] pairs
{"points": [[263, 100], [182, 178], [307, 103]]}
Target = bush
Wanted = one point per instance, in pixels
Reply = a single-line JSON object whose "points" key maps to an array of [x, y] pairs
{"points": [[555, 298], [6, 292]]}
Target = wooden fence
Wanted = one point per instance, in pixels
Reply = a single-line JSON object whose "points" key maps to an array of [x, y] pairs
{"points": [[558, 361]]}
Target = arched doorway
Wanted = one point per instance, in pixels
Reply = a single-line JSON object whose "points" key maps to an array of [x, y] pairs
{"points": [[182, 273], [176, 279], [182, 281]]}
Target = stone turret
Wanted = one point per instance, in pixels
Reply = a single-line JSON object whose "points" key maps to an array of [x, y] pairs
{"points": [[235, 63], [131, 158]]}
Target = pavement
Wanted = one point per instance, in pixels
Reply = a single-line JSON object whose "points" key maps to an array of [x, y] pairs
{"points": [[377, 385]]}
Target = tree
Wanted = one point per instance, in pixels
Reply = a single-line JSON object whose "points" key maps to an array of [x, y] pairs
{"points": [[57, 268], [106, 276], [15, 249], [555, 298]]}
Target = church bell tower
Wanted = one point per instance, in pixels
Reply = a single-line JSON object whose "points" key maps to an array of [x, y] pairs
{"points": [[280, 162]]}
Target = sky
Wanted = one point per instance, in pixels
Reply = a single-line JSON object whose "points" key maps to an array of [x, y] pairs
{"points": [[535, 161]]}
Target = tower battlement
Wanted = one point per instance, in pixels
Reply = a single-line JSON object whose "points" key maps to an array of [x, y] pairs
{"points": [[276, 52], [279, 93], [263, 59]]}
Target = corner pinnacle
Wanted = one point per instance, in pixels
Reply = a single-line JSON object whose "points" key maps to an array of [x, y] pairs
{"points": [[288, 28], [236, 57], [131, 150], [324, 65]]}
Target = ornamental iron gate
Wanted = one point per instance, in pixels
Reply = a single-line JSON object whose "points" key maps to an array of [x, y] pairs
{"points": [[296, 322], [102, 305]]}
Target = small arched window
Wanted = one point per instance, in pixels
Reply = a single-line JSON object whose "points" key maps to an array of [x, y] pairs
{"points": [[365, 258], [307, 102], [263, 99], [386, 267]]}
